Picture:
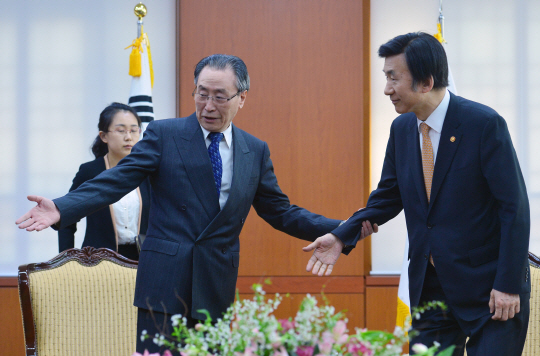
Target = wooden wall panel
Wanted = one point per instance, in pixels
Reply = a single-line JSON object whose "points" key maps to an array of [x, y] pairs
{"points": [[381, 302], [309, 100], [11, 330]]}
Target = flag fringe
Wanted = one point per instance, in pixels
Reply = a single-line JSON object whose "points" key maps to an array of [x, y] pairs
{"points": [[402, 313]]}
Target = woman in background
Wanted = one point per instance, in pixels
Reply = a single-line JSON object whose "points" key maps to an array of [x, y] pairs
{"points": [[117, 226]]}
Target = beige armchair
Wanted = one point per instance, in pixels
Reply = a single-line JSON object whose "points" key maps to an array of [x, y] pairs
{"points": [[79, 303], [532, 343]]}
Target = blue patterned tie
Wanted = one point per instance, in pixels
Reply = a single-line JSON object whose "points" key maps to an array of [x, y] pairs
{"points": [[215, 158]]}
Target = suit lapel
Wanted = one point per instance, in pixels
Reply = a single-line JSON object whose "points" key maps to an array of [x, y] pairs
{"points": [[192, 149], [242, 164], [415, 157], [447, 146]]}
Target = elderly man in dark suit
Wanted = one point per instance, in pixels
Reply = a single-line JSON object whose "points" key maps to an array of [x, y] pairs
{"points": [[451, 166], [205, 174]]}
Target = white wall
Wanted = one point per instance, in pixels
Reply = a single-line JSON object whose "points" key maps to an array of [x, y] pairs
{"points": [[62, 63], [495, 60]]}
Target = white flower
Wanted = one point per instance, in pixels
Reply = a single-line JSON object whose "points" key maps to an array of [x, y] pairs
{"points": [[420, 348], [176, 319]]}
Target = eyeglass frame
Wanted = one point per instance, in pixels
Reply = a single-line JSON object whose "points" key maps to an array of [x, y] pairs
{"points": [[213, 97], [119, 132]]}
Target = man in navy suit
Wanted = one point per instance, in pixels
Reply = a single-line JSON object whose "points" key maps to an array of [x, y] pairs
{"points": [[205, 174], [450, 164]]}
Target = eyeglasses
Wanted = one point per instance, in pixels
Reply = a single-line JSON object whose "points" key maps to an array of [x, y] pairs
{"points": [[122, 132], [202, 98]]}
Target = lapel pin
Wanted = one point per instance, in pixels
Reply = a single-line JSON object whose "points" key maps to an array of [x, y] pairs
{"points": [[453, 139]]}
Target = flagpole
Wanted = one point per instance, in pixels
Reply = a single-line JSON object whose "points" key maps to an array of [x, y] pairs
{"points": [[140, 12], [441, 18]]}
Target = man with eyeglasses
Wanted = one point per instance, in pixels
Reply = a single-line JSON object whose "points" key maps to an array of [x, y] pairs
{"points": [[206, 174]]}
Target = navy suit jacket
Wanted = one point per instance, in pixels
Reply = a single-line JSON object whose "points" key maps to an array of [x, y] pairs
{"points": [[477, 222], [191, 251], [99, 225]]}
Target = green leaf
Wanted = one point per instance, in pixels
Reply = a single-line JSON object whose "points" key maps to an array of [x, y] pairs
{"points": [[205, 312], [447, 352]]}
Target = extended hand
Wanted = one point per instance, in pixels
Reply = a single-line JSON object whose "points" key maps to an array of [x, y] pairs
{"points": [[40, 217], [328, 248], [505, 305]]}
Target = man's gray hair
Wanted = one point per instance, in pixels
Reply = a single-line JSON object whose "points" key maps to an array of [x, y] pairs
{"points": [[222, 62]]}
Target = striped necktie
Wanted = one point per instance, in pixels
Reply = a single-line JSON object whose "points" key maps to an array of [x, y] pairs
{"points": [[215, 158]]}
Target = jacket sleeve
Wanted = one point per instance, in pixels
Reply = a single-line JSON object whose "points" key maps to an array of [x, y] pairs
{"points": [[66, 236], [112, 184], [501, 169], [274, 207], [383, 204]]}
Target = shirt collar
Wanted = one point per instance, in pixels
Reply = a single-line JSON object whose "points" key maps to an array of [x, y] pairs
{"points": [[227, 134], [436, 119]]}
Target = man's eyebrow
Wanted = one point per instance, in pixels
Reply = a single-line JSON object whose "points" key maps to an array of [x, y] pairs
{"points": [[202, 87], [388, 72]]}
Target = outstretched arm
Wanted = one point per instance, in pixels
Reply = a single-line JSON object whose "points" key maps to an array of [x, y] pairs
{"points": [[40, 217], [326, 250]]}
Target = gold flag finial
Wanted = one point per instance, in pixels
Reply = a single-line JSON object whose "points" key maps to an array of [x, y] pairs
{"points": [[140, 10]]}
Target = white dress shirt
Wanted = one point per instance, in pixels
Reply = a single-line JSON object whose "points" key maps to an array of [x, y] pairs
{"points": [[126, 217], [226, 153], [435, 121]]}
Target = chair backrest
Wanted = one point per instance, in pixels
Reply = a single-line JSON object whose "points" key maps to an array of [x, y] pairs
{"points": [[80, 302], [532, 343]]}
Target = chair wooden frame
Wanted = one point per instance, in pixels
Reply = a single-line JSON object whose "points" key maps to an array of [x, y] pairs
{"points": [[88, 256], [534, 260]]}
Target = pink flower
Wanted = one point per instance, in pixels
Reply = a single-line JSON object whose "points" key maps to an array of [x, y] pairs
{"points": [[286, 324], [198, 327], [167, 353], [360, 348], [281, 352], [305, 350], [146, 353], [339, 332], [327, 342]]}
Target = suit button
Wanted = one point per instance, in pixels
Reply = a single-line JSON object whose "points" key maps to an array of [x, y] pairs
{"points": [[183, 207], [223, 250], [243, 220], [429, 226], [426, 256]]}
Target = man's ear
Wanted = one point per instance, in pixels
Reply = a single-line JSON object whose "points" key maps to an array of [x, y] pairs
{"points": [[427, 85], [243, 96], [103, 136]]}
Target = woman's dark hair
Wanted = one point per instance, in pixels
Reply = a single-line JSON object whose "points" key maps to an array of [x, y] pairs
{"points": [[99, 148]]}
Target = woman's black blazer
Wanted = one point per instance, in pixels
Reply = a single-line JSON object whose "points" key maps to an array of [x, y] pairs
{"points": [[99, 225]]}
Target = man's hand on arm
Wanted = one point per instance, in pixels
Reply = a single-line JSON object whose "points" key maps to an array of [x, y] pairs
{"points": [[326, 250], [40, 217], [504, 306]]}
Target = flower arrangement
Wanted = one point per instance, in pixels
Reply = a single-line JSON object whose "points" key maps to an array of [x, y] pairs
{"points": [[249, 328]]}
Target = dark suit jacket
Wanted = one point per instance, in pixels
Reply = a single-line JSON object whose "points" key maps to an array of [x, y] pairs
{"points": [[99, 225], [477, 223], [192, 250]]}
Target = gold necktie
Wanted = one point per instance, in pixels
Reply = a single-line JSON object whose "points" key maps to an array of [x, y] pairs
{"points": [[427, 158], [427, 164]]}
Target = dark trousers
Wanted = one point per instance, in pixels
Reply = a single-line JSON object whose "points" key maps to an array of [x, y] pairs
{"points": [[155, 323], [487, 337], [130, 251]]}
